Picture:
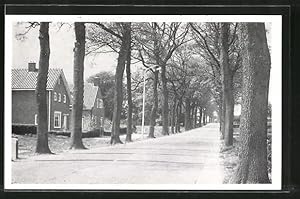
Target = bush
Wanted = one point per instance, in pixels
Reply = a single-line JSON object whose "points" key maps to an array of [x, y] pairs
{"points": [[89, 134], [23, 129], [31, 129], [123, 131], [62, 133]]}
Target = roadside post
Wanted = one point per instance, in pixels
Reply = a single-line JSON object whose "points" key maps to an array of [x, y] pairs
{"points": [[14, 152]]}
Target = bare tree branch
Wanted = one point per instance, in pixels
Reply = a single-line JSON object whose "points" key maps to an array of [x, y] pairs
{"points": [[206, 45], [107, 29], [28, 28]]}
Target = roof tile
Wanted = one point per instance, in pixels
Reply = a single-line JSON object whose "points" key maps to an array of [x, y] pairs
{"points": [[89, 95], [23, 79]]}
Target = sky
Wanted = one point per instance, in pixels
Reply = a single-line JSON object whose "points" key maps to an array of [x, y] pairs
{"points": [[61, 52]]}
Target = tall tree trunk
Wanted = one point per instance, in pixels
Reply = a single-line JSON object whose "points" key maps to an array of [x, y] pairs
{"points": [[192, 115], [170, 116], [78, 64], [173, 115], [41, 93], [178, 114], [204, 117], [118, 95], [221, 114], [165, 107], [227, 84], [129, 98], [252, 167], [155, 106], [176, 118], [195, 115], [200, 116], [229, 104], [222, 119], [187, 118]]}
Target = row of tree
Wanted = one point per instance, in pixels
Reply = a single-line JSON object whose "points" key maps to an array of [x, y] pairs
{"points": [[207, 66], [155, 45], [160, 48]]}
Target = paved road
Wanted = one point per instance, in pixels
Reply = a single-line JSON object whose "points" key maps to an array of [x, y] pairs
{"points": [[186, 158]]}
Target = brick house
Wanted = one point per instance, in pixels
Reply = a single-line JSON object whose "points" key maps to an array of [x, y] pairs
{"points": [[24, 106], [93, 109]]}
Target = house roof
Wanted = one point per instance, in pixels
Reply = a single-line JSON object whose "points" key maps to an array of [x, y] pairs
{"points": [[22, 79], [89, 95]]}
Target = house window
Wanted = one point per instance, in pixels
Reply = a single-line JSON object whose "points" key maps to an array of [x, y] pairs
{"points": [[55, 96], [99, 103], [58, 81], [57, 119], [35, 119], [59, 97], [65, 99]]}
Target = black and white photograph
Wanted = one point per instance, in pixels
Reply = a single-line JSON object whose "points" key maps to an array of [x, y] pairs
{"points": [[143, 102]]}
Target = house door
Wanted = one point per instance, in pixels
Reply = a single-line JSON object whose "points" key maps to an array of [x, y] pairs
{"points": [[65, 124]]}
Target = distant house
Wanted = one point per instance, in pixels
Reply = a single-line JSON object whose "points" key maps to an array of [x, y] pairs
{"points": [[93, 108], [24, 106]]}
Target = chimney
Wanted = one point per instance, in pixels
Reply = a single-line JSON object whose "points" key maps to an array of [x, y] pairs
{"points": [[32, 67]]}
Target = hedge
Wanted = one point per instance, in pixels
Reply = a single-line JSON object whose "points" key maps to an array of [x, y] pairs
{"points": [[23, 129], [31, 129]]}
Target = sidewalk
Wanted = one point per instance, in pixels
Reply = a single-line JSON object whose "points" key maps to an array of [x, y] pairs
{"points": [[186, 158]]}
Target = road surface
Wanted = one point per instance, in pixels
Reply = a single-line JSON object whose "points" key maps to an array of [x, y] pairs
{"points": [[191, 157]]}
